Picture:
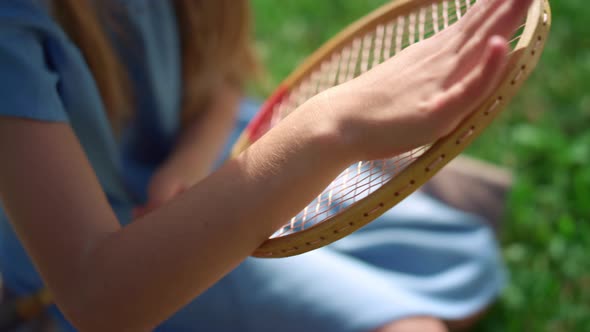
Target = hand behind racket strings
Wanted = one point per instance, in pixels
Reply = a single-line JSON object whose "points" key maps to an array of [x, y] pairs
{"points": [[424, 92]]}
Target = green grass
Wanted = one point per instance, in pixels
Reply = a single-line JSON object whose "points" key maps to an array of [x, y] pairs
{"points": [[543, 137]]}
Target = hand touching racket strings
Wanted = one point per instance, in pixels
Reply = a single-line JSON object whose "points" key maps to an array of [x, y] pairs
{"points": [[453, 52]]}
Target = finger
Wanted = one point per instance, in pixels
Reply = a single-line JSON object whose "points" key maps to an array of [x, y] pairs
{"points": [[477, 14], [464, 96], [451, 35], [502, 20], [141, 211], [160, 194], [503, 23], [454, 36]]}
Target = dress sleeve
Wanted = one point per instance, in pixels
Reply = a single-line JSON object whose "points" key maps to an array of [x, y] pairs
{"points": [[28, 86]]}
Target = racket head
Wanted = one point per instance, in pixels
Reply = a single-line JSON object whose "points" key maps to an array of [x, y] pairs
{"points": [[380, 185]]}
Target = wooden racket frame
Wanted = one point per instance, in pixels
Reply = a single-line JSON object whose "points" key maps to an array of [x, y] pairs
{"points": [[523, 60]]}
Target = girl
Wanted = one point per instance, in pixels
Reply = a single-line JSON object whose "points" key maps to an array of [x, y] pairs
{"points": [[111, 105]]}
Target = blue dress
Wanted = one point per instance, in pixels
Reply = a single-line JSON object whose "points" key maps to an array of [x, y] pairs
{"points": [[420, 258]]}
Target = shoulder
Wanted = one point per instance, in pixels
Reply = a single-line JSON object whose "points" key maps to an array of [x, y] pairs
{"points": [[32, 14], [23, 24], [27, 83]]}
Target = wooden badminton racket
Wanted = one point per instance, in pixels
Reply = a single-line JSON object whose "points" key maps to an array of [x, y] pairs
{"points": [[367, 189]]}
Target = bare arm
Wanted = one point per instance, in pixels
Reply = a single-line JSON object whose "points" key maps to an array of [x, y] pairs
{"points": [[196, 151], [201, 142], [109, 278]]}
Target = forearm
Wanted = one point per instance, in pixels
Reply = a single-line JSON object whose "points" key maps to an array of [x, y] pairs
{"points": [[202, 140], [203, 234]]}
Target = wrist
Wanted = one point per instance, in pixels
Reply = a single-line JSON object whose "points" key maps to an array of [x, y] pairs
{"points": [[325, 129], [317, 128], [298, 158]]}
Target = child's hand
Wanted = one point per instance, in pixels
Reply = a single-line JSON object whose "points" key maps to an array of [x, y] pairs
{"points": [[196, 151], [164, 185], [424, 92]]}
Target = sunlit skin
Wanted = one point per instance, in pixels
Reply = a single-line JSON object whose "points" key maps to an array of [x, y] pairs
{"points": [[195, 152], [108, 278]]}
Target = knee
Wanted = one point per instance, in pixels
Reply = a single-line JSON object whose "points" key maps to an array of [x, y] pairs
{"points": [[414, 324]]}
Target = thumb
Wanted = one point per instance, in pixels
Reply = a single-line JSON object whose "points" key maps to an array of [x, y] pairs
{"points": [[160, 191]]}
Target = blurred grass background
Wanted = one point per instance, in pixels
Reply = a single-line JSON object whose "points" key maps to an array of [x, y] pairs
{"points": [[543, 137]]}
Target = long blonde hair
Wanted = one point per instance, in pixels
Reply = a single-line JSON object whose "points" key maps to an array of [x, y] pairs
{"points": [[216, 46]]}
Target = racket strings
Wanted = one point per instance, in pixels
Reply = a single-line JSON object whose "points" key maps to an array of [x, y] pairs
{"points": [[353, 184], [357, 57]]}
